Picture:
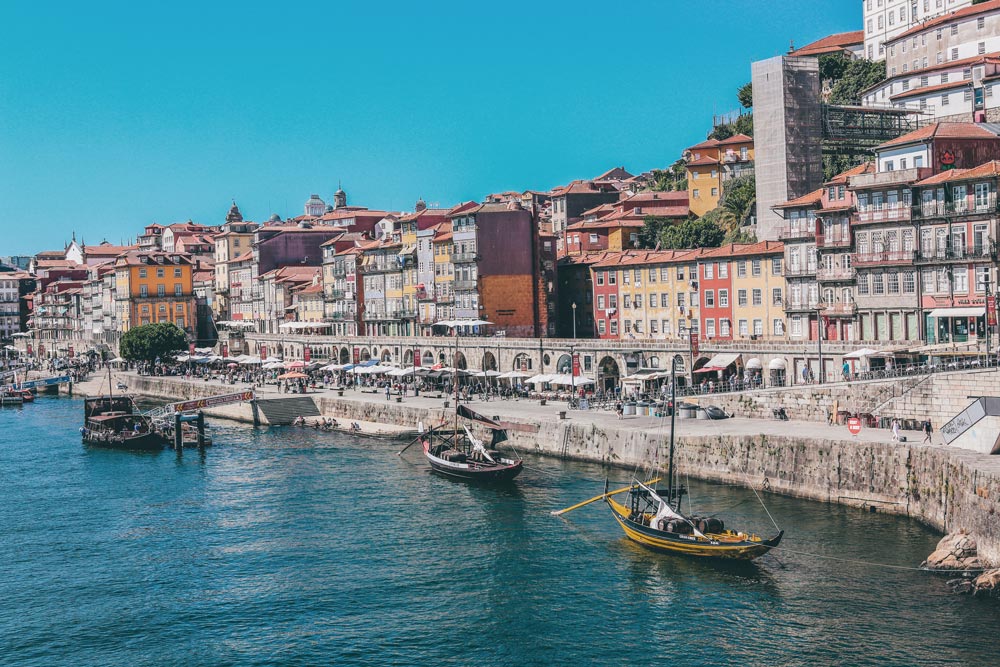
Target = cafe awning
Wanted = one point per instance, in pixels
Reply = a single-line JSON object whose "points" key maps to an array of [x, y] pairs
{"points": [[720, 362], [858, 354], [777, 364], [958, 312]]}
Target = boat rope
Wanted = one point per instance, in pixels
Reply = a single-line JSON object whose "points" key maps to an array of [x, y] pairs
{"points": [[746, 476], [854, 561]]}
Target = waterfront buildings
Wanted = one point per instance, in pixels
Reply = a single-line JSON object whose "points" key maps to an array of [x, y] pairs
{"points": [[710, 164], [885, 20], [155, 286]]}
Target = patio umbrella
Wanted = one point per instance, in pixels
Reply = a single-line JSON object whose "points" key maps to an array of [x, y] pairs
{"points": [[295, 364], [232, 364], [294, 375]]}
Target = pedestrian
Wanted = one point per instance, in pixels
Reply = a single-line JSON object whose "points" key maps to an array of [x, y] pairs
{"points": [[927, 431], [895, 430], [847, 372], [619, 410], [388, 390], [805, 375]]}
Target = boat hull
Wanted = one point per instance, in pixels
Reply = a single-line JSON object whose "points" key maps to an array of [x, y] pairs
{"points": [[476, 472], [146, 442], [717, 547]]}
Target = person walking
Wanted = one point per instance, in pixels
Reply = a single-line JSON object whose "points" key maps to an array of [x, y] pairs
{"points": [[619, 409], [895, 430], [927, 431]]}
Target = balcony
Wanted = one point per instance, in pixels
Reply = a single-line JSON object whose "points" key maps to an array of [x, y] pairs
{"points": [[336, 293], [889, 178], [425, 295], [833, 240], [446, 298], [947, 209], [835, 273], [799, 305], [938, 255], [463, 257], [798, 233], [840, 309], [465, 285], [799, 271], [406, 314], [895, 213], [887, 257]]}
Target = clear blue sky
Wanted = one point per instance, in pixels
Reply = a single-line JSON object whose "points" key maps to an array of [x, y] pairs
{"points": [[116, 115]]}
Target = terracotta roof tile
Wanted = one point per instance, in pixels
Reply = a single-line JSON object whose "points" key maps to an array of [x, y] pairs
{"points": [[814, 198], [941, 131], [944, 19], [831, 43]]}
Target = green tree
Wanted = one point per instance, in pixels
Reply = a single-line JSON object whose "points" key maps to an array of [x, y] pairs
{"points": [[673, 177], [742, 125], [652, 230], [739, 202], [832, 66], [692, 233], [151, 341], [745, 95], [857, 76]]}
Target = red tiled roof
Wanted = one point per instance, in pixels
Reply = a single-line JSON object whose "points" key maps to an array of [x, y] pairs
{"points": [[814, 198], [106, 249], [708, 143], [941, 131], [954, 64], [736, 139], [703, 161], [965, 12], [580, 187], [642, 257], [745, 249], [244, 257], [841, 178], [614, 173], [831, 43], [924, 90], [989, 169]]}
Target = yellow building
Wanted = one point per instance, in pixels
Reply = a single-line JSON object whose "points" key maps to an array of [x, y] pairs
{"points": [[444, 273], [235, 239], [710, 164], [309, 305], [155, 287], [759, 270]]}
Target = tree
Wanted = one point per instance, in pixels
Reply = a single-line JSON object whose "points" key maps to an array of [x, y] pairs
{"points": [[151, 341], [856, 76], [832, 66], [692, 233], [745, 95], [673, 177], [652, 229], [742, 125], [739, 201]]}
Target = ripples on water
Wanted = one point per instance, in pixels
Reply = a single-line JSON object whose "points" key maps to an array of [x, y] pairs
{"points": [[291, 547]]}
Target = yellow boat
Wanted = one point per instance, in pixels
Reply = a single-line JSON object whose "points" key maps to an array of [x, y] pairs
{"points": [[652, 518], [663, 529]]}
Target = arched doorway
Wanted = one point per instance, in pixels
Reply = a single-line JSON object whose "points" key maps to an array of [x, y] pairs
{"points": [[489, 362], [345, 355], [699, 363], [460, 362], [427, 359], [408, 358], [441, 359], [608, 374], [386, 356], [365, 356], [565, 364], [522, 362]]}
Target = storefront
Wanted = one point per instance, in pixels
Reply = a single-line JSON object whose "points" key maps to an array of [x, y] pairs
{"points": [[956, 325]]}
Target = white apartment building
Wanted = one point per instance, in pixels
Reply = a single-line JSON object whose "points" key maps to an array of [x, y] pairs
{"points": [[884, 20], [946, 68]]}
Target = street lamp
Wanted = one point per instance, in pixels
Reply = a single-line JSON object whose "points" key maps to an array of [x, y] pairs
{"points": [[820, 306], [574, 320]]}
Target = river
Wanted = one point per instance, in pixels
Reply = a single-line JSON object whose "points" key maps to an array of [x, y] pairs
{"points": [[291, 547]]}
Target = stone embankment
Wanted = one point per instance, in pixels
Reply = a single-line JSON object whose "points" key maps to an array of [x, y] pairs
{"points": [[950, 489], [957, 553]]}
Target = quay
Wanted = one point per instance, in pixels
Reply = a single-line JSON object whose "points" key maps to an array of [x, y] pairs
{"points": [[947, 488]]}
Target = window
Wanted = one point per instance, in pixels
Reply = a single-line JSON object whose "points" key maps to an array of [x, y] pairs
{"points": [[600, 302], [878, 284], [755, 267], [612, 302], [680, 273], [980, 23], [954, 29], [628, 326], [680, 300], [723, 298], [906, 85], [593, 238], [614, 327], [945, 101], [776, 266], [954, 54], [715, 192], [637, 273], [600, 277], [177, 273], [710, 298], [665, 300], [776, 296], [695, 193], [944, 77], [741, 269], [177, 289], [893, 283], [888, 167], [652, 301], [664, 274], [982, 278], [757, 297], [653, 330], [652, 275], [709, 271], [724, 328], [744, 329], [159, 273], [960, 276], [796, 325], [758, 327], [710, 327], [142, 273], [909, 282], [601, 327], [612, 277], [626, 300], [981, 48], [723, 269], [741, 297], [143, 290], [161, 290], [778, 327]]}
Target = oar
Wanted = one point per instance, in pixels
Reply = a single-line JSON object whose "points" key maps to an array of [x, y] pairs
{"points": [[596, 498]]}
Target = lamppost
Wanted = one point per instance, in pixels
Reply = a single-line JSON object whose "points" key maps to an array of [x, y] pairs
{"points": [[572, 369], [820, 306], [990, 314], [574, 320]]}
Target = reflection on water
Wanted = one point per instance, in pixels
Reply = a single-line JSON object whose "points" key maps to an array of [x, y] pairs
{"points": [[293, 547]]}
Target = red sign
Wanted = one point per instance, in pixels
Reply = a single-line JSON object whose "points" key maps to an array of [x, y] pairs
{"points": [[694, 344], [263, 351], [225, 351], [72, 352], [576, 365], [41, 350], [306, 353], [190, 348], [357, 355], [991, 311], [416, 359], [854, 425], [30, 351]]}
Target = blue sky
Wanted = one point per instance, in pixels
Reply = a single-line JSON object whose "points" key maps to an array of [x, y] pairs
{"points": [[116, 115]]}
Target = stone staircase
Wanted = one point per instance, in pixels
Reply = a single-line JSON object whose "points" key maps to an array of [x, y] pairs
{"points": [[282, 411]]}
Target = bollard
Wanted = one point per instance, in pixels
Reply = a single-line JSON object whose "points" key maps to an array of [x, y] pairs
{"points": [[178, 438]]}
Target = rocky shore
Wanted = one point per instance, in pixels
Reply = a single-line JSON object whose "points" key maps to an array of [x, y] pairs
{"points": [[957, 554]]}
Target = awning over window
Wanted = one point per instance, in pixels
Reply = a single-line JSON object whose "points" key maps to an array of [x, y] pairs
{"points": [[959, 312], [778, 364], [754, 364]]}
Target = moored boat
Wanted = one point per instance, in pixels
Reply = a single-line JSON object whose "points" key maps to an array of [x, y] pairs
{"points": [[114, 422], [462, 455]]}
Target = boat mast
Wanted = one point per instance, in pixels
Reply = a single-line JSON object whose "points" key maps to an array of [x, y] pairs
{"points": [[454, 365], [673, 417]]}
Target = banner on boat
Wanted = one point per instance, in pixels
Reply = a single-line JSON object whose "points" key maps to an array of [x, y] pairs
{"points": [[211, 402], [43, 382]]}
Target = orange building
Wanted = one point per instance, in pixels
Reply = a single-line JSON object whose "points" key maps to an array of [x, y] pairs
{"points": [[155, 287], [710, 164]]}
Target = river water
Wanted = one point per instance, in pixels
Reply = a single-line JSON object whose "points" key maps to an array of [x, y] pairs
{"points": [[290, 547]]}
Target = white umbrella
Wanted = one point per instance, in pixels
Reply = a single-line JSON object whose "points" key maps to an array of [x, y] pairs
{"points": [[538, 379], [513, 375], [401, 372], [250, 360], [117, 360]]}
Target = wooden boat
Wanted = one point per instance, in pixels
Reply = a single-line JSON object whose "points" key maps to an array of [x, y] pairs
{"points": [[114, 422], [461, 455], [653, 519], [9, 397], [26, 395]]}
